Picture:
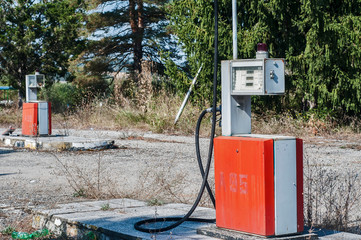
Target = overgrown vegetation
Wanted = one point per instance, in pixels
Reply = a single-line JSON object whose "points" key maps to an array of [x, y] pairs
{"points": [[158, 184], [319, 40], [156, 112], [331, 196]]}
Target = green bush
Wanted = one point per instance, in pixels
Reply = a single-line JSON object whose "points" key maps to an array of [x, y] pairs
{"points": [[63, 97]]}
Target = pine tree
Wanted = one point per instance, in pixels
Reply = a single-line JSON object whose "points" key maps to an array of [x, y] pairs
{"points": [[126, 32], [327, 71]]}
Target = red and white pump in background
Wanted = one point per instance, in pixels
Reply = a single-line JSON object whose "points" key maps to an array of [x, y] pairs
{"points": [[258, 178], [36, 114]]}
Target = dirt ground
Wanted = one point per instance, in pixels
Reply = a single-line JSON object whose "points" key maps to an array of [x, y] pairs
{"points": [[151, 167]]}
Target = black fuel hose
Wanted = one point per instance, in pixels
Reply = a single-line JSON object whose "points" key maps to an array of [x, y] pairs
{"points": [[138, 225], [199, 158]]}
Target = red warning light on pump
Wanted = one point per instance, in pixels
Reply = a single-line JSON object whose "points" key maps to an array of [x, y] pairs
{"points": [[262, 47]]}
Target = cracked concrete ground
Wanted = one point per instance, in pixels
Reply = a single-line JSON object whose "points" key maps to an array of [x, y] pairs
{"points": [[147, 166]]}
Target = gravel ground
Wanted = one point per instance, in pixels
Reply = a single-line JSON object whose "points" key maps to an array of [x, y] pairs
{"points": [[146, 166]]}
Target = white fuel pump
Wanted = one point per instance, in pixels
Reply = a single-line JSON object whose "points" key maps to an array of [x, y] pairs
{"points": [[242, 78], [32, 84]]}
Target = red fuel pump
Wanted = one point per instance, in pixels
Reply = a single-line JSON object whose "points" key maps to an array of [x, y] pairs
{"points": [[258, 178], [36, 114], [258, 183]]}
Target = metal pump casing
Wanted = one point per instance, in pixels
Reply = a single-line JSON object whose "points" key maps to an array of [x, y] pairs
{"points": [[242, 78], [36, 114], [32, 83], [258, 178]]}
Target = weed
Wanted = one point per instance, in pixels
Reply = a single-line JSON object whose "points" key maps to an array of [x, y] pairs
{"points": [[91, 181], [22, 223], [155, 202], [162, 181], [10, 116], [80, 193], [8, 230], [105, 207]]}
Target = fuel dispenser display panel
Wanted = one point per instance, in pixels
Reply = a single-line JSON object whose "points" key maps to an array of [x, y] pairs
{"points": [[247, 78], [254, 76], [35, 81]]}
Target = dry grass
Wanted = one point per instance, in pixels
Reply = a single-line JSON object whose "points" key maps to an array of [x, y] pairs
{"points": [[159, 183], [90, 181], [285, 124], [332, 198], [158, 112], [10, 116], [159, 116], [305, 126]]}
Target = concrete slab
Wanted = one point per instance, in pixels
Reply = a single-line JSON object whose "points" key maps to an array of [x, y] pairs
{"points": [[115, 219], [234, 235], [117, 222], [55, 143], [324, 234]]}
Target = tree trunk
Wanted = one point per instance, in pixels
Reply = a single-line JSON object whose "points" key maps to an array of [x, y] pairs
{"points": [[136, 20]]}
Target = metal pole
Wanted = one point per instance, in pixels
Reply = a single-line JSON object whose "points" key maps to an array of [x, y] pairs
{"points": [[187, 95], [234, 27]]}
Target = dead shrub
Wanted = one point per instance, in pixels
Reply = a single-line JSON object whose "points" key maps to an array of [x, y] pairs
{"points": [[91, 180], [163, 182]]}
